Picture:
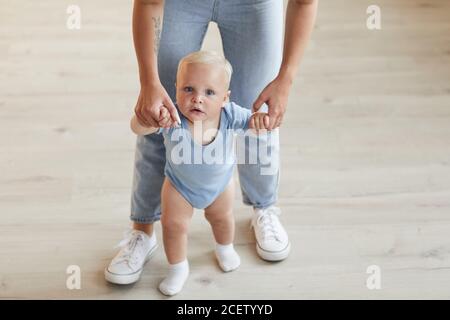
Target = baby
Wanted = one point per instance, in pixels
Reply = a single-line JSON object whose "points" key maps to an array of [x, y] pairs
{"points": [[207, 123]]}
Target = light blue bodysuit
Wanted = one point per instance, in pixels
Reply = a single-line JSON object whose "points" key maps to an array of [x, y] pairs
{"points": [[200, 173]]}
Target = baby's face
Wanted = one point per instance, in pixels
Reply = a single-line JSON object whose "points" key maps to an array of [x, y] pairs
{"points": [[202, 91]]}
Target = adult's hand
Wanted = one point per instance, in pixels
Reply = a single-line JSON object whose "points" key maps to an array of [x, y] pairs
{"points": [[154, 108], [300, 17], [275, 95]]}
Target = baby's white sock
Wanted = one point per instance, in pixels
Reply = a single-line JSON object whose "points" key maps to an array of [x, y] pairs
{"points": [[176, 278], [227, 257]]}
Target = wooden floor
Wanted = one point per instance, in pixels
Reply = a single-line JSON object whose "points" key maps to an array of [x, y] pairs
{"points": [[365, 158]]}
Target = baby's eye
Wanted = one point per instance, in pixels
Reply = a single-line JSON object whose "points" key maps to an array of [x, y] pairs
{"points": [[209, 92], [187, 89]]}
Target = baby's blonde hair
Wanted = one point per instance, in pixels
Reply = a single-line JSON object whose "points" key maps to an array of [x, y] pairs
{"points": [[207, 57]]}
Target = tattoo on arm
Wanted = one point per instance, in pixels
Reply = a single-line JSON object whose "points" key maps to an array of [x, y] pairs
{"points": [[157, 28]]}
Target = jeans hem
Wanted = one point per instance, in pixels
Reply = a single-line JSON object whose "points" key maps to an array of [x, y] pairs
{"points": [[260, 206], [144, 220]]}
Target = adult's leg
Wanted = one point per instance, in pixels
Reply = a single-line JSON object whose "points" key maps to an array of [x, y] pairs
{"points": [[184, 26], [251, 33]]}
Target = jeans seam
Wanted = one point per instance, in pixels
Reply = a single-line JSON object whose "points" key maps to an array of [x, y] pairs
{"points": [[214, 15]]}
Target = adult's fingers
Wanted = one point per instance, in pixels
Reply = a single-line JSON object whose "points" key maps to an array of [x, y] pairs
{"points": [[273, 118], [140, 117], [147, 117], [256, 123], [137, 111], [164, 123], [251, 125], [279, 122], [261, 122], [164, 118], [266, 121], [172, 110], [163, 113], [258, 103], [153, 115]]}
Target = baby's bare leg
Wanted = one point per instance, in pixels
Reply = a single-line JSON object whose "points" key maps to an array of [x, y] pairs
{"points": [[175, 218], [220, 216]]}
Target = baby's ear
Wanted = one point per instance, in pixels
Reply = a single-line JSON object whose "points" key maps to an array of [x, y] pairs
{"points": [[226, 98]]}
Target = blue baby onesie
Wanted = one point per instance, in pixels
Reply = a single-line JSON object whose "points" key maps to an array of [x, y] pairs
{"points": [[201, 173]]}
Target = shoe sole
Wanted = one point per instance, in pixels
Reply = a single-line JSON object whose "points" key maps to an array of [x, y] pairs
{"points": [[273, 255], [128, 278]]}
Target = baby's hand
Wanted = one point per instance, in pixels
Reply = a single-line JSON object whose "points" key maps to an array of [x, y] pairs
{"points": [[165, 120], [259, 121]]}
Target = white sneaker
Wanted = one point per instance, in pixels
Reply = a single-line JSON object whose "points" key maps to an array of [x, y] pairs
{"points": [[272, 242], [136, 249]]}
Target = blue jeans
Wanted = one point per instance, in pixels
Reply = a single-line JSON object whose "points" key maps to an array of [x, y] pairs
{"points": [[251, 32]]}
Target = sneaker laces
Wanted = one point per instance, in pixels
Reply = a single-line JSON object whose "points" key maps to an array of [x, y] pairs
{"points": [[266, 223], [131, 242]]}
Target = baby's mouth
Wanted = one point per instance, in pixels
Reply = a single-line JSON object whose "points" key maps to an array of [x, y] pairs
{"points": [[197, 110]]}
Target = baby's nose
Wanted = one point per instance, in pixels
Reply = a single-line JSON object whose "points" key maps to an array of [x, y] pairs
{"points": [[198, 98]]}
